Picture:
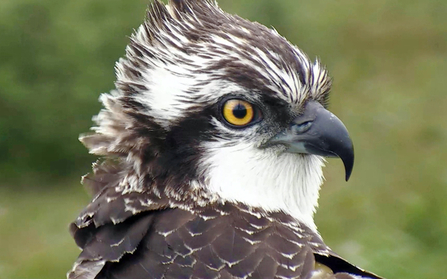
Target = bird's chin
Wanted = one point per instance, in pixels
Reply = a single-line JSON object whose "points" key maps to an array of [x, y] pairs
{"points": [[270, 178]]}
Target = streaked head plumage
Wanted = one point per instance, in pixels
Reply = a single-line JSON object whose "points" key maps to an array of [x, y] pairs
{"points": [[188, 51], [164, 117]]}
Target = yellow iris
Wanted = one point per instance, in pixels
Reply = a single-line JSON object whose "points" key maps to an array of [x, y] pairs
{"points": [[238, 112]]}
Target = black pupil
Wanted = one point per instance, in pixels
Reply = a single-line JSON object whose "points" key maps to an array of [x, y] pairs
{"points": [[239, 111]]}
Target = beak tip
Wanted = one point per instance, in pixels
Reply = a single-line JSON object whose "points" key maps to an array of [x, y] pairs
{"points": [[348, 162], [348, 175]]}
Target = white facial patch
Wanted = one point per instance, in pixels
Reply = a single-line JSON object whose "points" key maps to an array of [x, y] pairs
{"points": [[167, 87], [263, 178], [171, 96]]}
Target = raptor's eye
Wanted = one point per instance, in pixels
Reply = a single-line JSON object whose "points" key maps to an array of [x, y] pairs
{"points": [[238, 112]]}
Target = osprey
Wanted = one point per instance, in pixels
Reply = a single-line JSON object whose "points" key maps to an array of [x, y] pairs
{"points": [[212, 146]]}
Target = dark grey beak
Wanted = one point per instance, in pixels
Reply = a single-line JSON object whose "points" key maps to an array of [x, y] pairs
{"points": [[318, 131]]}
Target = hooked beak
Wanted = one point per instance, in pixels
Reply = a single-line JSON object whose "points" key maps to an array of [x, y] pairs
{"points": [[318, 131]]}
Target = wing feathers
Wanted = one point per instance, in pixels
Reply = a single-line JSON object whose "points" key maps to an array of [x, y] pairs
{"points": [[219, 241], [108, 243], [177, 243]]}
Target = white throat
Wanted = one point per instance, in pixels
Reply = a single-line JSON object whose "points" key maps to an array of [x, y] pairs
{"points": [[262, 178]]}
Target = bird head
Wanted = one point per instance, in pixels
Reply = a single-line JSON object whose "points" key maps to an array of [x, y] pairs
{"points": [[209, 102]]}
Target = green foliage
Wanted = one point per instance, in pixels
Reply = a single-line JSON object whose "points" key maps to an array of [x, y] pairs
{"points": [[35, 242], [56, 57], [389, 62]]}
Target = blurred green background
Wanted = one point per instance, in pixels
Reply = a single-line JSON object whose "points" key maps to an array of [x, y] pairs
{"points": [[389, 63]]}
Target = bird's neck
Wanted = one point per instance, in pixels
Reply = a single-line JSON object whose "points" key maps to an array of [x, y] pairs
{"points": [[268, 180]]}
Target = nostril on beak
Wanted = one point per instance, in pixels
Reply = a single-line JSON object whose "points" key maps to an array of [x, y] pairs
{"points": [[301, 128]]}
